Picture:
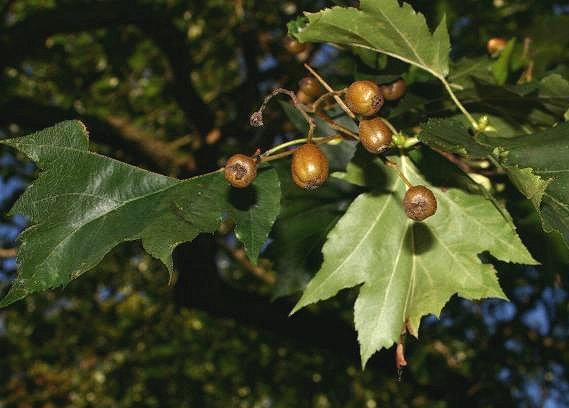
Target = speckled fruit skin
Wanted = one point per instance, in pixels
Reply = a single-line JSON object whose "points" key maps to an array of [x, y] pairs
{"points": [[311, 87], [496, 45], [309, 167], [364, 98], [375, 135], [240, 170], [394, 90], [419, 203], [293, 46]]}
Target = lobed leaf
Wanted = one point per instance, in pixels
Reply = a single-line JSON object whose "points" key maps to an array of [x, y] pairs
{"points": [[84, 204], [536, 163], [381, 25], [543, 159], [451, 135], [298, 235], [407, 269], [536, 104]]}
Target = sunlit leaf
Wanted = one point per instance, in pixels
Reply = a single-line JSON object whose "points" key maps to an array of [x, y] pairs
{"points": [[381, 25], [408, 269]]}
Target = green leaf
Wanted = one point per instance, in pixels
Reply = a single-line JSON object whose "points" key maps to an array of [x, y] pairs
{"points": [[407, 269], [554, 93], [298, 235], [383, 26], [501, 68], [84, 204], [451, 135], [544, 160], [536, 104], [463, 70]]}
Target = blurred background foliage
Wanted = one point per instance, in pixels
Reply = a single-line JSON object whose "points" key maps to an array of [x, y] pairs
{"points": [[169, 85]]}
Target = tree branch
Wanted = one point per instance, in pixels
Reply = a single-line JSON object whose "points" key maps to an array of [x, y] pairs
{"points": [[114, 131], [28, 37], [8, 252]]}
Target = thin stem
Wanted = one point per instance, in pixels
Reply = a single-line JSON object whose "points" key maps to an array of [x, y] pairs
{"points": [[276, 156], [394, 166], [336, 126], [459, 105], [400, 361], [435, 74], [316, 108], [329, 89], [389, 125], [316, 105], [240, 256], [257, 117], [272, 154]]}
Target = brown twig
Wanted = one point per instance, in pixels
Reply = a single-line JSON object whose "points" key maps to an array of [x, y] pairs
{"points": [[335, 125], [467, 168], [164, 153], [394, 166], [527, 75], [8, 252], [400, 361], [256, 119], [316, 107], [240, 256], [316, 104], [329, 89]]}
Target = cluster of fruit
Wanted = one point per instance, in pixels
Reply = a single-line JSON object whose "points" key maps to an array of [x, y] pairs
{"points": [[309, 166]]}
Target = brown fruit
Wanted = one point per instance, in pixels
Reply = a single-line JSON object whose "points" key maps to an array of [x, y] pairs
{"points": [[293, 46], [364, 98], [419, 203], [311, 87], [375, 135], [303, 97], [394, 90], [309, 167], [240, 170], [496, 44]]}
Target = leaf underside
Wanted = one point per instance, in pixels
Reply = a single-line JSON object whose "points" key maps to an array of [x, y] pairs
{"points": [[383, 26], [408, 269], [83, 204]]}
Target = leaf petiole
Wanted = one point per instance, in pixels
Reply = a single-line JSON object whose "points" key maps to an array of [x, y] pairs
{"points": [[458, 104]]}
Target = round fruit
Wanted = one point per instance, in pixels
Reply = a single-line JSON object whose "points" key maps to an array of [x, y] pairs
{"points": [[394, 90], [293, 46], [303, 97], [419, 203], [311, 87], [240, 170], [375, 135], [496, 44], [364, 98], [309, 167]]}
